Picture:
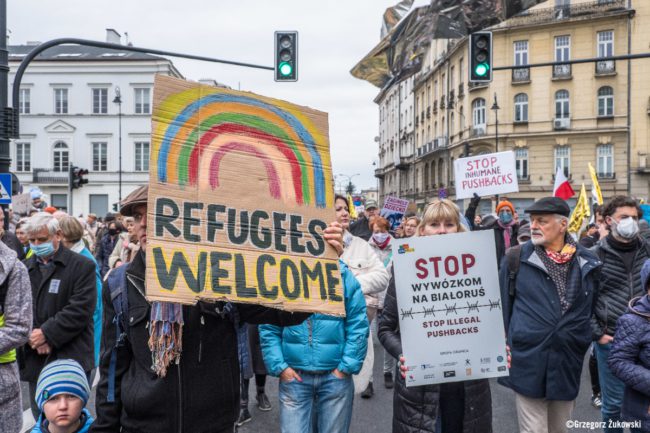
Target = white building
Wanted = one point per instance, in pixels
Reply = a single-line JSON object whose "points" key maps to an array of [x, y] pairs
{"points": [[396, 141], [68, 117]]}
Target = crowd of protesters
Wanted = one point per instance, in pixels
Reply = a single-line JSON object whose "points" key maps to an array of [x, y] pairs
{"points": [[73, 312]]}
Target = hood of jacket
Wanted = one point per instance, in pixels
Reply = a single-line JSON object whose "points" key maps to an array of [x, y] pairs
{"points": [[7, 261], [641, 306]]}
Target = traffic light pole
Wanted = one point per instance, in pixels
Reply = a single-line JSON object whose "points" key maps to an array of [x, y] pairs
{"points": [[574, 62]]}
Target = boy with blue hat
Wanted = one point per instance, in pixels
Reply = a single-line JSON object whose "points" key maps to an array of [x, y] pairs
{"points": [[62, 392]]}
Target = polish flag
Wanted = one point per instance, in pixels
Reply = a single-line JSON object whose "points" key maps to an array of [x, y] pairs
{"points": [[562, 187]]}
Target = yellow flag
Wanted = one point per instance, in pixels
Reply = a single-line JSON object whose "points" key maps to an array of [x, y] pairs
{"points": [[595, 187], [353, 210], [580, 212]]}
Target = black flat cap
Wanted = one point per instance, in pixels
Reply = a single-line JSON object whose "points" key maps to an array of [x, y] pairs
{"points": [[548, 205]]}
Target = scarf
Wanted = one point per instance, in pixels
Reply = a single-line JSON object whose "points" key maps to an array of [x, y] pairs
{"points": [[165, 322], [565, 254], [382, 245], [507, 231], [165, 335]]}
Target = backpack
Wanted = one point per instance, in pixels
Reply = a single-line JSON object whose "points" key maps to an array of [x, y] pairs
{"points": [[120, 301], [513, 256]]}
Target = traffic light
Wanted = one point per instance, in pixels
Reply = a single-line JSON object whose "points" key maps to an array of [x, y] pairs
{"points": [[77, 177], [286, 56], [480, 57]]}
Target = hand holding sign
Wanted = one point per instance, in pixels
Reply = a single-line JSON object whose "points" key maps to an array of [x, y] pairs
{"points": [[484, 175]]}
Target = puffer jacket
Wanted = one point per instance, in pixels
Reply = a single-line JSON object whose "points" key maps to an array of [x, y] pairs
{"points": [[629, 360], [321, 343], [17, 310], [617, 286], [415, 409], [366, 266], [86, 422]]}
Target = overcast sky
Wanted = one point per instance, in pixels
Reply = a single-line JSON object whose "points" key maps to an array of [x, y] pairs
{"points": [[334, 35]]}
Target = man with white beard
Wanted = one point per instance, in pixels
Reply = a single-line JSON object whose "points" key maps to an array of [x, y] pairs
{"points": [[548, 289]]}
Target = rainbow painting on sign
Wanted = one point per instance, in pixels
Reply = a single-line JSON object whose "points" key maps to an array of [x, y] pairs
{"points": [[240, 193]]}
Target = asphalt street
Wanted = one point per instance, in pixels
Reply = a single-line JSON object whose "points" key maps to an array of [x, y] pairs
{"points": [[374, 415]]}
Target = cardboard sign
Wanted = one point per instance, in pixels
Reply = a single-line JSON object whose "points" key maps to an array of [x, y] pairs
{"points": [[394, 210], [21, 204], [449, 307], [489, 174], [240, 194]]}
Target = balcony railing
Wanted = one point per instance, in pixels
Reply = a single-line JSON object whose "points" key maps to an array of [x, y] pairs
{"points": [[562, 71], [544, 15], [521, 75], [605, 67], [473, 86], [50, 177], [609, 175]]}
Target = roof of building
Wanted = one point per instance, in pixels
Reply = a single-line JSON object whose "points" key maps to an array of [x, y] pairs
{"points": [[79, 53]]}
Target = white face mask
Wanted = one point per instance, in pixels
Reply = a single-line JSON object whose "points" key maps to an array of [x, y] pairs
{"points": [[380, 238], [627, 228]]}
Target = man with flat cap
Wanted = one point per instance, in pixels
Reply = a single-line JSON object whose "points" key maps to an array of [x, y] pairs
{"points": [[548, 289]]}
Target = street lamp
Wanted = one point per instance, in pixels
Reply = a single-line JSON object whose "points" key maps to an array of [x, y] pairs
{"points": [[349, 178], [496, 109], [118, 101]]}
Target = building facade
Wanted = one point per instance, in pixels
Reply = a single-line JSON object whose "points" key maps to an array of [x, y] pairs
{"points": [[396, 141], [563, 116], [70, 116]]}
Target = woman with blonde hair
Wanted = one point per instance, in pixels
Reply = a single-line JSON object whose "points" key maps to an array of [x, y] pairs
{"points": [[459, 407]]}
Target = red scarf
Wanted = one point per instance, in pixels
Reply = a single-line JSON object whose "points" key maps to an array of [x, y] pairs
{"points": [[383, 245], [564, 255]]}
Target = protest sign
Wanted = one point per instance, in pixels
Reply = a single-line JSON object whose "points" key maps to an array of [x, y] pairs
{"points": [[449, 307], [393, 210], [489, 174], [240, 194], [21, 204]]}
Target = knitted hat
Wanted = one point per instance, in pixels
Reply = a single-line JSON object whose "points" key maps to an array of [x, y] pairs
{"points": [[505, 203], [645, 274], [64, 376]]}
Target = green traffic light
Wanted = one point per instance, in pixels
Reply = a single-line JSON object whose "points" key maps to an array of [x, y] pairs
{"points": [[285, 69], [481, 69]]}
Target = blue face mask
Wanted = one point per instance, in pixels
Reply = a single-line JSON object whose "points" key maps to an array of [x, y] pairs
{"points": [[505, 217], [45, 249]]}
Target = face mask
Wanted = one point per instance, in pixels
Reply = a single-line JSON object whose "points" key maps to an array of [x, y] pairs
{"points": [[505, 217], [627, 228], [43, 250], [112, 232], [380, 238]]}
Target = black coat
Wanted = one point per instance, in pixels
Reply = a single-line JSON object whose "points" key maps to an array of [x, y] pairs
{"points": [[361, 229], [415, 409], [548, 347], [13, 242], [63, 310], [198, 395], [617, 286], [499, 240]]}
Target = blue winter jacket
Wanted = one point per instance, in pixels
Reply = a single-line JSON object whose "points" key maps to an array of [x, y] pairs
{"points": [[629, 360], [86, 419], [547, 346], [97, 315], [321, 343]]}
